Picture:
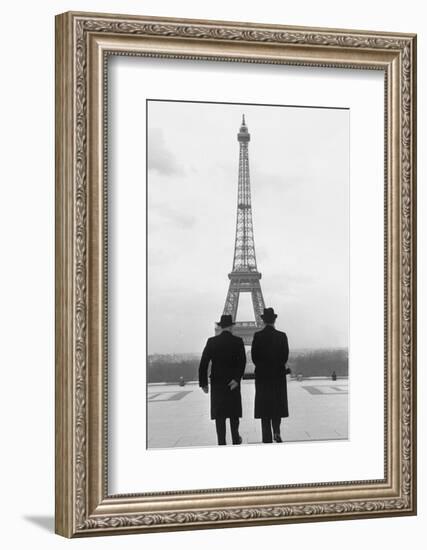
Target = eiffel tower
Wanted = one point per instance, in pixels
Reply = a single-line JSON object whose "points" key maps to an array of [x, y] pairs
{"points": [[244, 276]]}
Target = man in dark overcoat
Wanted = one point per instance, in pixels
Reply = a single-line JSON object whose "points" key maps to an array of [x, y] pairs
{"points": [[270, 352], [227, 356]]}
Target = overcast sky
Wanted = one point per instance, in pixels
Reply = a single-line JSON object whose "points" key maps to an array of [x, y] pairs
{"points": [[299, 166]]}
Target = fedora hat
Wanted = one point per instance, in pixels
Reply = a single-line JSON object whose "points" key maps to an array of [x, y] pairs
{"points": [[269, 316], [226, 321]]}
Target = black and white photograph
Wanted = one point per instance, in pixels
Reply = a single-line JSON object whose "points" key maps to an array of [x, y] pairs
{"points": [[247, 274]]}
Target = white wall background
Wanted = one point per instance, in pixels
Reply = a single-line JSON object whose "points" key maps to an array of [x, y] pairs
{"points": [[27, 272]]}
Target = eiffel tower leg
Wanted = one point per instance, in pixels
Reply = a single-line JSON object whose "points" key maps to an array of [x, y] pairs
{"points": [[232, 300], [258, 302]]}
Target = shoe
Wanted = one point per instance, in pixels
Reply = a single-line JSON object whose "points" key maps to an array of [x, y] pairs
{"points": [[239, 441], [277, 438]]}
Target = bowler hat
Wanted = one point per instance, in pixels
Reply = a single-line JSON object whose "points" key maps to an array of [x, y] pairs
{"points": [[268, 316], [226, 321]]}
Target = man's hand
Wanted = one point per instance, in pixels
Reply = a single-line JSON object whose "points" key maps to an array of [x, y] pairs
{"points": [[233, 384], [205, 389], [288, 370]]}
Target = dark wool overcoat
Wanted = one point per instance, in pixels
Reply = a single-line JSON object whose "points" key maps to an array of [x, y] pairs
{"points": [[226, 354], [270, 352]]}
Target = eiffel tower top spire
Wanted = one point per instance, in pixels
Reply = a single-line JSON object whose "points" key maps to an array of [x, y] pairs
{"points": [[244, 247], [243, 136]]}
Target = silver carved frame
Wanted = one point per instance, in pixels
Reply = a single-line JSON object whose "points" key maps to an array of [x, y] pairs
{"points": [[83, 43]]}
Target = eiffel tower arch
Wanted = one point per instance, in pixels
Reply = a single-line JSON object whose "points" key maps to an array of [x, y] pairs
{"points": [[244, 276]]}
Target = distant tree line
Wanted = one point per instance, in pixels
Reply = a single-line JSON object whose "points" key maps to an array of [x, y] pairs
{"points": [[164, 368], [320, 363]]}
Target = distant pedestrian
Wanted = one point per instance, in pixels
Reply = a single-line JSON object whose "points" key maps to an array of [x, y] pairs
{"points": [[227, 356], [334, 376], [270, 352]]}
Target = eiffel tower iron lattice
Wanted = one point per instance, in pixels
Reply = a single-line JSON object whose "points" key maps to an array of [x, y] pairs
{"points": [[244, 276]]}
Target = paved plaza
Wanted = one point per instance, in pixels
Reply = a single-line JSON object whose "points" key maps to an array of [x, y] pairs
{"points": [[180, 416]]}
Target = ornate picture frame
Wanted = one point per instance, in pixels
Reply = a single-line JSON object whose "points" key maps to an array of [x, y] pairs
{"points": [[83, 43]]}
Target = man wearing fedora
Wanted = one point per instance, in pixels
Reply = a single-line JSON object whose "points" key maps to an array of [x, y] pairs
{"points": [[270, 352], [227, 356]]}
